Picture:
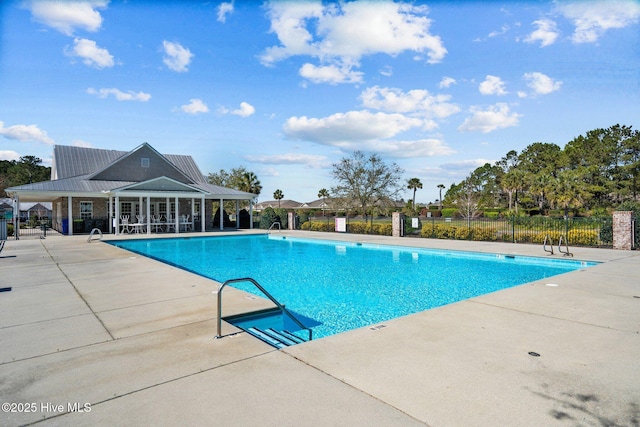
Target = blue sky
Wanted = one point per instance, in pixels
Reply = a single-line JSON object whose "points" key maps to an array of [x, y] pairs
{"points": [[287, 89]]}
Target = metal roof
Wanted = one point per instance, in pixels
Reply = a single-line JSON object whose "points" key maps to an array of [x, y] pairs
{"points": [[73, 168], [75, 161]]}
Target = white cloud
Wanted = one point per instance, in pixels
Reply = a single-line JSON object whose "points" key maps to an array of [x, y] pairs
{"points": [[492, 85], [341, 129], [416, 102], [339, 34], [447, 82], [245, 110], [177, 57], [25, 133], [223, 10], [9, 155], [330, 74], [497, 116], [195, 106], [503, 30], [408, 149], [387, 71], [310, 160], [91, 54], [66, 16], [593, 18], [546, 33], [81, 143], [465, 165], [541, 83], [119, 95]]}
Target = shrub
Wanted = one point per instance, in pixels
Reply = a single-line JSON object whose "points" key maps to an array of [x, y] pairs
{"points": [[449, 212], [583, 237], [268, 217], [385, 229]]}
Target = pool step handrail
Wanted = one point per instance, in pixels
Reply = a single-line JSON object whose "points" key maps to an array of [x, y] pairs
{"points": [[94, 232], [566, 245], [271, 227], [547, 238], [267, 294]]}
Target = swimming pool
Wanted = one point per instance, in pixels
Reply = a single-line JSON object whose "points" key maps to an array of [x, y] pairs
{"points": [[339, 286]]}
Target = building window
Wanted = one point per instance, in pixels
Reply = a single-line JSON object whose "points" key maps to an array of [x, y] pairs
{"points": [[144, 162], [125, 209], [86, 210]]}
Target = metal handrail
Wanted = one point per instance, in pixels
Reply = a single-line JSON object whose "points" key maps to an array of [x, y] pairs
{"points": [[268, 295], [271, 226], [566, 245], [544, 245]]}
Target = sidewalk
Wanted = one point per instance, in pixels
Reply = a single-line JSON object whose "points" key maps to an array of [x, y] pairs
{"points": [[130, 341]]}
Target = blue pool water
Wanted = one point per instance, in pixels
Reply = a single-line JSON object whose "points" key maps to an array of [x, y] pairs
{"points": [[343, 286]]}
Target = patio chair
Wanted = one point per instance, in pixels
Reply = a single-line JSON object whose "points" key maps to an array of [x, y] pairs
{"points": [[124, 224], [2, 242], [171, 225]]}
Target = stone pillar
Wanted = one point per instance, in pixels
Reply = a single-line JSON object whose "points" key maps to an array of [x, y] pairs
{"points": [[623, 230], [291, 219], [397, 224]]}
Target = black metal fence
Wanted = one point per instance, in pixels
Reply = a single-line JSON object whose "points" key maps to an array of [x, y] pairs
{"points": [[595, 232]]}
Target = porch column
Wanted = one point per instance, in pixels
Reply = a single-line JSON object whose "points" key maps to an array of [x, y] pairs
{"points": [[16, 217], [177, 218], [139, 207], [117, 216], [148, 216], [203, 215], [110, 214], [70, 215], [251, 214], [221, 215], [237, 214], [193, 211]]}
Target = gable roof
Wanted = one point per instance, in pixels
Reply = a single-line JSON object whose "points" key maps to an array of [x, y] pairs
{"points": [[141, 164], [71, 161]]}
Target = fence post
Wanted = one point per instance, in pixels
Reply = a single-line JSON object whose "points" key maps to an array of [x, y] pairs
{"points": [[513, 228]]}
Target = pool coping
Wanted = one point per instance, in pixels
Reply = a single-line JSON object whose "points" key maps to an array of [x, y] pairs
{"points": [[81, 313]]}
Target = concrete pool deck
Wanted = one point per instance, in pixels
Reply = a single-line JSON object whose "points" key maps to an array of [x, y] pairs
{"points": [[133, 339]]}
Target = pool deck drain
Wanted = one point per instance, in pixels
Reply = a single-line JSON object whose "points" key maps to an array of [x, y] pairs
{"points": [[88, 325]]}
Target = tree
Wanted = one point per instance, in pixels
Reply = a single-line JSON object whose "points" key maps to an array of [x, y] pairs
{"points": [[323, 194], [468, 199], [414, 184], [568, 190], [249, 182], [440, 187], [366, 181], [278, 195], [27, 170], [239, 178], [512, 182]]}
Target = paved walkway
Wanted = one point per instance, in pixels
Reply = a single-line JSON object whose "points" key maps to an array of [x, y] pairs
{"points": [[94, 335]]}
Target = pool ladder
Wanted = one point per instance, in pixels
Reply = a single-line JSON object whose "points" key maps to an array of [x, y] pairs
{"points": [[269, 336], [272, 225], [565, 252]]}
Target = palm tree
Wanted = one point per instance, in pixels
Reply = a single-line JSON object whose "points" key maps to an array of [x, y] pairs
{"points": [[512, 182], [440, 187], [278, 195], [414, 184], [249, 182], [323, 194]]}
